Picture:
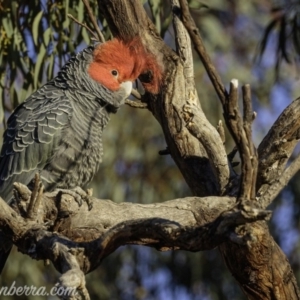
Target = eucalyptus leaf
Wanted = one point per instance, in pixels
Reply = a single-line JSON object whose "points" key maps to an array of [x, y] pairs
{"points": [[39, 65], [155, 6], [1, 107], [85, 36], [80, 11], [35, 26], [51, 67], [6, 22], [66, 23], [13, 94], [47, 36]]}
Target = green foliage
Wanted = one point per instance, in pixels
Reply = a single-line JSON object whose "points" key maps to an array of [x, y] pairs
{"points": [[286, 19], [161, 15]]}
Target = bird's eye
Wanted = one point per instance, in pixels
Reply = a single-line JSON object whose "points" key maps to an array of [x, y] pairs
{"points": [[114, 72]]}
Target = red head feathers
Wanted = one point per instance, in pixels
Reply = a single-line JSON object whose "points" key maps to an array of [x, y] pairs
{"points": [[116, 61]]}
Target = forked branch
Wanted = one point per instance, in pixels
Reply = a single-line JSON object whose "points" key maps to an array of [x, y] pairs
{"points": [[240, 129]]}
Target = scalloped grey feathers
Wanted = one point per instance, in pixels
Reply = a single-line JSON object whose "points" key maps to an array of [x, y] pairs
{"points": [[57, 131]]}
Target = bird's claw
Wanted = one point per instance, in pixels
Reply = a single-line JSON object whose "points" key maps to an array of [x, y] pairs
{"points": [[80, 196]]}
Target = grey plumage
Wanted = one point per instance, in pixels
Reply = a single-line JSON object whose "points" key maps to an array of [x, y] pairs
{"points": [[57, 131]]}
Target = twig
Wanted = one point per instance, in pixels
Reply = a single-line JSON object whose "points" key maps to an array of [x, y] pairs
{"points": [[247, 120], [83, 25], [234, 123], [193, 31], [136, 104], [35, 198], [232, 154], [3, 121], [93, 20]]}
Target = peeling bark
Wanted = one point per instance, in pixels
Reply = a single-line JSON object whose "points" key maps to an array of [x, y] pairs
{"points": [[260, 267]]}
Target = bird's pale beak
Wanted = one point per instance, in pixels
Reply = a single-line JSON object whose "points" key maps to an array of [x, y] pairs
{"points": [[127, 87]]}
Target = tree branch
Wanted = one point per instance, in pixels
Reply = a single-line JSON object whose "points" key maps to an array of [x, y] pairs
{"points": [[208, 136], [136, 104], [241, 132], [197, 123], [94, 21], [279, 183], [252, 161], [83, 25], [277, 146], [193, 31], [191, 224]]}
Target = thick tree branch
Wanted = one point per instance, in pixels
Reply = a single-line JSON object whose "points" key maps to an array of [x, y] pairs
{"points": [[193, 31], [279, 183], [208, 136], [183, 46], [192, 224], [260, 267], [197, 123], [277, 147]]}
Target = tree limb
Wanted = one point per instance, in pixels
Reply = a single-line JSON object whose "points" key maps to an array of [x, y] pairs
{"points": [[279, 183], [197, 123], [240, 129], [191, 224], [193, 31], [211, 140], [277, 146]]}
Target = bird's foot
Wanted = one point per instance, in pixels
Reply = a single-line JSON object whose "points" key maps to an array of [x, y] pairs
{"points": [[80, 195]]}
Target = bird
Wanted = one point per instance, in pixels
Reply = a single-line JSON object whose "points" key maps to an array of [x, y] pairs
{"points": [[57, 131]]}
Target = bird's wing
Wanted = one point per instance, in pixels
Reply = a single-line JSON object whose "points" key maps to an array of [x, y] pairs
{"points": [[33, 132]]}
